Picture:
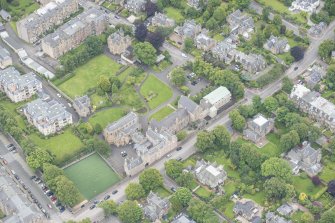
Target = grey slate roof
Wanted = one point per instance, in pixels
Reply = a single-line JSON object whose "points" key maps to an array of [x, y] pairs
{"points": [[169, 120], [285, 210], [183, 219], [273, 218], [187, 103], [130, 117], [4, 54], [83, 101]]}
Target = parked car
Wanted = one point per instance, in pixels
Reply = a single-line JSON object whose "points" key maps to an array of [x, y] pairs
{"points": [[53, 198], [16, 177], [115, 191], [50, 193], [33, 177], [4, 161], [96, 202], [61, 209], [107, 197], [173, 189], [92, 207], [9, 145], [169, 155], [49, 206], [179, 159], [179, 148]]}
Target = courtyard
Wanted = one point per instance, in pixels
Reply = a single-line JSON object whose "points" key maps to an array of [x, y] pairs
{"points": [[91, 176]]}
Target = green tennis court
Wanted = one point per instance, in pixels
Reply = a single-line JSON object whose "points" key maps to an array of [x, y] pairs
{"points": [[92, 176]]}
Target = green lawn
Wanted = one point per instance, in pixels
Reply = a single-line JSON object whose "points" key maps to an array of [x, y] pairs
{"points": [[125, 73], [13, 25], [230, 187], [271, 149], [155, 91], [98, 101], [110, 6], [174, 14], [162, 113], [11, 107], [107, 116], [162, 192], [128, 96], [63, 146], [24, 7], [328, 171], [203, 193], [303, 184], [258, 197], [229, 209], [92, 176], [87, 76]]}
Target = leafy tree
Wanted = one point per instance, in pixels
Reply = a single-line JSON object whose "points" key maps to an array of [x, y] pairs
{"points": [[178, 77], [242, 4], [331, 187], [50, 172], [330, 77], [185, 180], [201, 212], [130, 212], [316, 180], [276, 189], [183, 195], [66, 191], [173, 168], [150, 8], [325, 50], [277, 20], [238, 121], [109, 207], [221, 137], [104, 84], [270, 104], [205, 141], [247, 111], [257, 103], [306, 217], [150, 179], [277, 167], [258, 40], [141, 32], [188, 45], [287, 85], [181, 135], [297, 53], [156, 39], [289, 140], [134, 191], [266, 13], [97, 128], [146, 53], [250, 156], [38, 157], [328, 217]]}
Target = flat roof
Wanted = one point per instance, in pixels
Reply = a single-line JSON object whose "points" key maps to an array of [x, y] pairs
{"points": [[217, 95], [260, 120]]}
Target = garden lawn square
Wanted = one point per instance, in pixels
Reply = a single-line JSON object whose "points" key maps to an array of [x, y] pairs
{"points": [[162, 113], [64, 146], [87, 76], [155, 91], [104, 117], [91, 176]]}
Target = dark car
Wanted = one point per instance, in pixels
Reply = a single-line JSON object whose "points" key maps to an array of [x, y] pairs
{"points": [[12, 148], [107, 197], [16, 177], [173, 189], [10, 145], [61, 209], [296, 68], [114, 192], [96, 202], [179, 159], [92, 207], [32, 177], [179, 148], [50, 193]]}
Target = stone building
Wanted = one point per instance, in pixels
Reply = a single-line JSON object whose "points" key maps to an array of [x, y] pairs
{"points": [[251, 62], [48, 117], [241, 24], [215, 100], [82, 105], [247, 211], [317, 107], [135, 6], [156, 207], [204, 42], [118, 42], [277, 45], [18, 87], [73, 33], [210, 174], [32, 27], [258, 128], [224, 51], [119, 132], [305, 158], [309, 6], [162, 20], [190, 29]]}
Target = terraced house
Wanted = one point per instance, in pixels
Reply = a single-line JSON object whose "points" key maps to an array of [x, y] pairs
{"points": [[16, 87], [73, 33], [31, 28], [48, 117]]}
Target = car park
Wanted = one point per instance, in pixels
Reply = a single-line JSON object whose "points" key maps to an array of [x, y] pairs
{"points": [[107, 197]]}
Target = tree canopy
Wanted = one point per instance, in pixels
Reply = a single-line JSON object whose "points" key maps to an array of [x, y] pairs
{"points": [[130, 212], [150, 179], [146, 53]]}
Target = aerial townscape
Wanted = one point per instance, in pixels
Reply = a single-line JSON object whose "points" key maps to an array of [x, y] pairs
{"points": [[167, 111]]}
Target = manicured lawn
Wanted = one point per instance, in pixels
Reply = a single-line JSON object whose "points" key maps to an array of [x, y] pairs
{"points": [[258, 197], [162, 113], [229, 209], [24, 7], [328, 171], [11, 107], [125, 73], [230, 187], [271, 149], [107, 116], [128, 96], [63, 146], [110, 6], [203, 193], [303, 184], [98, 101], [92, 176], [162, 192], [87, 76], [174, 14], [155, 91]]}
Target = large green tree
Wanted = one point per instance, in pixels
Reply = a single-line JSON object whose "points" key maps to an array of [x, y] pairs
{"points": [[238, 121], [150, 179], [178, 77], [37, 158], [205, 141], [109, 207], [173, 168], [289, 140], [50, 172], [146, 53], [277, 167], [130, 212], [183, 195], [134, 191], [66, 191], [201, 212], [276, 189]]}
